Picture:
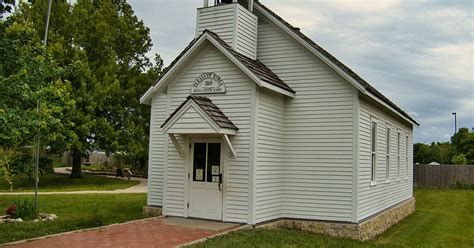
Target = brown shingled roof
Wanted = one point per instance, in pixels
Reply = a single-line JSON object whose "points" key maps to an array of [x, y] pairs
{"points": [[210, 108], [257, 67], [338, 63]]}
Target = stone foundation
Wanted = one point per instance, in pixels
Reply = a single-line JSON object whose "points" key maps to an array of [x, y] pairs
{"points": [[365, 230], [152, 211]]}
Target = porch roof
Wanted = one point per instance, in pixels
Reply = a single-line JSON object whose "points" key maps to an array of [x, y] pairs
{"points": [[209, 114]]}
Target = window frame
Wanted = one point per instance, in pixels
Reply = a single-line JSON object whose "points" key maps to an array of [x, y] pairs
{"points": [[373, 150], [399, 137], [406, 156], [388, 134]]}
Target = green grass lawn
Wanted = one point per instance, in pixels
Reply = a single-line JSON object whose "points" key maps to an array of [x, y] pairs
{"points": [[74, 212], [60, 182], [443, 218]]}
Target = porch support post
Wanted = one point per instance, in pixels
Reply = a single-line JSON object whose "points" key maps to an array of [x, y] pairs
{"points": [[227, 140], [176, 144]]}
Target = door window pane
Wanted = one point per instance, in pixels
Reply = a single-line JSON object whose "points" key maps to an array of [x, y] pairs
{"points": [[199, 164], [213, 162]]}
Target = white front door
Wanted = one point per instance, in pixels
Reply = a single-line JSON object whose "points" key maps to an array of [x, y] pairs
{"points": [[205, 194]]}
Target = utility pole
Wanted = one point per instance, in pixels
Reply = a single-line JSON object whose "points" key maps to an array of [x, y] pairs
{"points": [[38, 138], [455, 123]]}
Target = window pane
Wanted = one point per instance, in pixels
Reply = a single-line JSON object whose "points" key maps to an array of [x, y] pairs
{"points": [[374, 132], [398, 143], [199, 164], [388, 141], [372, 173], [387, 169], [213, 162]]}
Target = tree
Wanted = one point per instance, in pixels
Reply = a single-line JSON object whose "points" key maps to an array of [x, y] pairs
{"points": [[102, 47], [28, 75], [464, 142]]}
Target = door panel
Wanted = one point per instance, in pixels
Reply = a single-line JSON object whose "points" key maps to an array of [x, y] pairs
{"points": [[205, 197]]}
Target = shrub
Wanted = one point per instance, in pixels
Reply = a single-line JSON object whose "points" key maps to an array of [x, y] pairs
{"points": [[46, 165], [459, 159], [462, 185], [11, 210], [25, 210]]}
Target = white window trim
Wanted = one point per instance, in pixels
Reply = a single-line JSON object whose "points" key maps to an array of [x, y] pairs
{"points": [[373, 154], [399, 137], [388, 134]]}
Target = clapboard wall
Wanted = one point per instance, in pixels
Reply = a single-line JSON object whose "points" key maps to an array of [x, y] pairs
{"points": [[157, 148], [270, 166], [373, 198], [233, 23], [236, 104], [319, 125]]}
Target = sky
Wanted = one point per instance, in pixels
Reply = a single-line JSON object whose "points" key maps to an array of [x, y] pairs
{"points": [[417, 53]]}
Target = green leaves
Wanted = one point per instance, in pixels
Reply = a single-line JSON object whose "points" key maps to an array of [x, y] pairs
{"points": [[89, 79]]}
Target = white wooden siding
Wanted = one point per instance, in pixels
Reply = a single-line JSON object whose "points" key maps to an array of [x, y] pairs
{"points": [[246, 32], [270, 169], [156, 151], [236, 104], [373, 199], [233, 23], [319, 123], [219, 19], [191, 118]]}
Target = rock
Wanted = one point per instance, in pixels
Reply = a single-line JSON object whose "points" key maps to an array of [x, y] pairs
{"points": [[17, 220], [1, 221], [36, 220], [49, 218], [43, 215], [53, 216]]}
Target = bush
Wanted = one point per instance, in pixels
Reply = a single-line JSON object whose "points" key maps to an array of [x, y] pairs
{"points": [[46, 165], [461, 185], [25, 210], [459, 159]]}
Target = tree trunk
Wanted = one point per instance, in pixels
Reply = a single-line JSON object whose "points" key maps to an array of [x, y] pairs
{"points": [[76, 166]]}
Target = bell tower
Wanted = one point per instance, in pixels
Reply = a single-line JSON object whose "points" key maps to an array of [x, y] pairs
{"points": [[233, 21]]}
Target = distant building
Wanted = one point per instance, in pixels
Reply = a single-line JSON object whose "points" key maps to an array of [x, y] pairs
{"points": [[254, 122]]}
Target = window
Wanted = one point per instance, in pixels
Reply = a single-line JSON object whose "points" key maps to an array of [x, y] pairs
{"points": [[398, 155], [406, 156], [206, 162], [387, 157], [373, 153]]}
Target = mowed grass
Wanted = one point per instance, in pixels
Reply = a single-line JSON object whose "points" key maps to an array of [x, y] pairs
{"points": [[443, 218], [60, 182], [74, 212]]}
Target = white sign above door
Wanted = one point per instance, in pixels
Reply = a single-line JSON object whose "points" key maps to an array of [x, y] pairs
{"points": [[208, 83]]}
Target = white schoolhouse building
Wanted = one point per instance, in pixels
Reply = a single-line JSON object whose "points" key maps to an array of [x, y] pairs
{"points": [[255, 123]]}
